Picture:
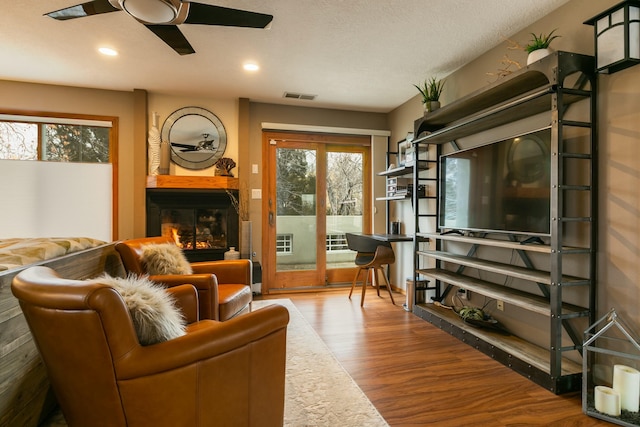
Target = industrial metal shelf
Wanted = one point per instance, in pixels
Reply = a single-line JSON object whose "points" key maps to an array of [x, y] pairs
{"points": [[528, 301], [520, 355], [550, 85]]}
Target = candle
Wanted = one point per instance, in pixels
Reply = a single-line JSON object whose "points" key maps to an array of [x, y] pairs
{"points": [[607, 401], [626, 381]]}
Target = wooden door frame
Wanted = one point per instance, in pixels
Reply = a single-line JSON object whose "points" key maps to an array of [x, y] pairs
{"points": [[320, 141]]}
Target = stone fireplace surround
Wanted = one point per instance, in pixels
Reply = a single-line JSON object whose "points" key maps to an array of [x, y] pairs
{"points": [[195, 209]]}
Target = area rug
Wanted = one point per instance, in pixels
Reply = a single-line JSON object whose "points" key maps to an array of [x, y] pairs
{"points": [[318, 390]]}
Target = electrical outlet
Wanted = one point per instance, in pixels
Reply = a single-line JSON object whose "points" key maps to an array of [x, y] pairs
{"points": [[464, 294], [500, 305]]}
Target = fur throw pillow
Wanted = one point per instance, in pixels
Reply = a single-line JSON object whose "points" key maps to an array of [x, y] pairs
{"points": [[165, 258], [153, 311]]}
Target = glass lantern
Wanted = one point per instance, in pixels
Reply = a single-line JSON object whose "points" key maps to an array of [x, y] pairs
{"points": [[611, 371]]}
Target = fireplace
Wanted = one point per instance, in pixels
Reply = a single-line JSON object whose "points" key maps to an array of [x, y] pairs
{"points": [[203, 222]]}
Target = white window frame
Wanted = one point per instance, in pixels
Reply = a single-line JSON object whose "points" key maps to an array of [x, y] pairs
{"points": [[284, 241]]}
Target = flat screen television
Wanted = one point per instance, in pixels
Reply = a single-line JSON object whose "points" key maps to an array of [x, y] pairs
{"points": [[503, 186]]}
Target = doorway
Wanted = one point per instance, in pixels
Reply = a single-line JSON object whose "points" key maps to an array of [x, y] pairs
{"points": [[317, 188]]}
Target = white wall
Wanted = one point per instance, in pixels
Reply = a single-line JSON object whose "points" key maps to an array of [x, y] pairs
{"points": [[304, 248]]}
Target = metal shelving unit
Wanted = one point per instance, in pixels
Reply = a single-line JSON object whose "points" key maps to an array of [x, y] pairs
{"points": [[423, 173], [551, 87], [410, 170]]}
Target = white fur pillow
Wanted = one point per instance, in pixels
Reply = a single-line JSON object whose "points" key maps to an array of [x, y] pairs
{"points": [[153, 311], [165, 258]]}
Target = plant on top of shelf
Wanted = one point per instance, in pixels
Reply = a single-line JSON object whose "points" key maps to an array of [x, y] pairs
{"points": [[538, 46], [431, 90]]}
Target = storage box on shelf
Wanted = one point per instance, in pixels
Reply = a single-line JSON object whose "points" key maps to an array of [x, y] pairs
{"points": [[392, 175], [400, 172], [547, 88], [398, 186]]}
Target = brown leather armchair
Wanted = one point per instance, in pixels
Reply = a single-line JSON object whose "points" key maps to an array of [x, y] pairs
{"points": [[229, 373], [224, 287]]}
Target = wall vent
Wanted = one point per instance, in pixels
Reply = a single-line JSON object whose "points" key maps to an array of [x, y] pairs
{"points": [[293, 95]]}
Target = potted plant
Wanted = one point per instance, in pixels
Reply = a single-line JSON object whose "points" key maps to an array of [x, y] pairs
{"points": [[538, 46], [431, 90]]}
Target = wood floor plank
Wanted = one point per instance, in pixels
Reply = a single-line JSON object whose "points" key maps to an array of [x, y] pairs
{"points": [[416, 374]]}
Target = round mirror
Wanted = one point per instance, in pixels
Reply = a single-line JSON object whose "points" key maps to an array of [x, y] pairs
{"points": [[197, 137]]}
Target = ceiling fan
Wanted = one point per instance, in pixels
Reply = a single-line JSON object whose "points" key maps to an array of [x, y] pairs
{"points": [[162, 17]]}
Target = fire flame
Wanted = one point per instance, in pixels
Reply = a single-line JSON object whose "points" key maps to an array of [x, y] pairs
{"points": [[189, 245], [176, 237]]}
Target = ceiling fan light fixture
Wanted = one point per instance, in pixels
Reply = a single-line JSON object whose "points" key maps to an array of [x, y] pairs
{"points": [[151, 11]]}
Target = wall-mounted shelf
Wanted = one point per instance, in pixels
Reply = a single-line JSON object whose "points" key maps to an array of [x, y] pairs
{"points": [[390, 198], [535, 303], [406, 169], [204, 182], [520, 355], [524, 93], [508, 244], [537, 276]]}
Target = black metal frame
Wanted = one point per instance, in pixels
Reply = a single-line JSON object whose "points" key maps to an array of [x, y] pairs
{"points": [[540, 87]]}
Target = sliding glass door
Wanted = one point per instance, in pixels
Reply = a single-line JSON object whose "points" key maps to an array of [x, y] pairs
{"points": [[316, 190]]}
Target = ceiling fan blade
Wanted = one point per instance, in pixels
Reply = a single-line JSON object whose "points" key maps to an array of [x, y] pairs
{"points": [[186, 148], [217, 15], [171, 35], [94, 7]]}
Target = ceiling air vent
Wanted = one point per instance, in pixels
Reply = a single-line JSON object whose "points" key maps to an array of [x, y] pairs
{"points": [[293, 95]]}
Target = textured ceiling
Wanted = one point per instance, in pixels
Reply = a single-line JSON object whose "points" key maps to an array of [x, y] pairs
{"points": [[353, 54]]}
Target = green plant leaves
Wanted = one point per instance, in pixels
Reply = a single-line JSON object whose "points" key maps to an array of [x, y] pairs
{"points": [[540, 41]]}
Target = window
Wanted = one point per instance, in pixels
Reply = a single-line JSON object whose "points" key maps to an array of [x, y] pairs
{"points": [[66, 162], [337, 242], [54, 139], [284, 243]]}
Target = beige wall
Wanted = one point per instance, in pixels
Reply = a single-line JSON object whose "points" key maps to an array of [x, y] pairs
{"points": [[619, 145]]}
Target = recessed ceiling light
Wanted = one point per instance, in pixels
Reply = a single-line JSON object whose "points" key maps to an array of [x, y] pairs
{"points": [[108, 51], [250, 66]]}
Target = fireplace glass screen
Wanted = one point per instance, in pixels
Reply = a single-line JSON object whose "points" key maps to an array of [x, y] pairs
{"points": [[203, 223], [196, 228]]}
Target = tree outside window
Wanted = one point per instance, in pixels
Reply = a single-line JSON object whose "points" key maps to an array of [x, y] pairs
{"points": [[54, 142]]}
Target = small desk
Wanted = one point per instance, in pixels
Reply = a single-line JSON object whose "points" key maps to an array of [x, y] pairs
{"points": [[391, 237]]}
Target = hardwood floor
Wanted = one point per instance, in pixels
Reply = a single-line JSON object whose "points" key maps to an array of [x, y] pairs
{"points": [[416, 375]]}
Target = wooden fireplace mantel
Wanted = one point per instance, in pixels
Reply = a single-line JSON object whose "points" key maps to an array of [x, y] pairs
{"points": [[195, 182]]}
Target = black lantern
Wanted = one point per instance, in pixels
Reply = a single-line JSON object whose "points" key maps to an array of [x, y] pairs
{"points": [[617, 37]]}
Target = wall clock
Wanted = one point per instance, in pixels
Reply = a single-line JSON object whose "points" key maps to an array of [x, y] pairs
{"points": [[197, 137]]}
